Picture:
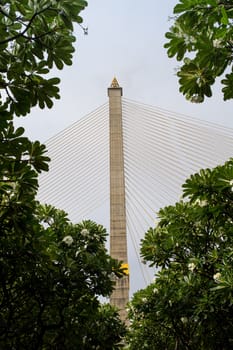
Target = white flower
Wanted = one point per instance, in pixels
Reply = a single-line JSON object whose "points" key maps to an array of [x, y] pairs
{"points": [[217, 43], [191, 267], [85, 232], [96, 237], [184, 319], [202, 203], [231, 184], [68, 240], [217, 277]]}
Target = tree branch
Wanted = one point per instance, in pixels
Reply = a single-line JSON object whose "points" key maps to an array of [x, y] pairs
{"points": [[27, 27]]}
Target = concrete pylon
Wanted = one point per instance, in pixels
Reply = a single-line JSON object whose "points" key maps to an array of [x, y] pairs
{"points": [[118, 238]]}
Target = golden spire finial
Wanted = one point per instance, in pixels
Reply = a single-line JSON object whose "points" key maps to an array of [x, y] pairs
{"points": [[115, 83]]}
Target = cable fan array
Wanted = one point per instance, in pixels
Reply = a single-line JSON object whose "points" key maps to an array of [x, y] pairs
{"points": [[161, 149]]}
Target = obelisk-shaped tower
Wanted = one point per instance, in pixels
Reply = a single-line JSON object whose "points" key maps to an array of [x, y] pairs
{"points": [[118, 238]]}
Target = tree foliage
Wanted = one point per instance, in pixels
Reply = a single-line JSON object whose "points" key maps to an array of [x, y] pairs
{"points": [[52, 272], [35, 36], [189, 306], [201, 37]]}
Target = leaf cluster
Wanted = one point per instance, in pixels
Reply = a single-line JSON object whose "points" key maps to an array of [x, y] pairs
{"points": [[20, 162], [201, 37], [52, 273], [190, 304], [35, 36]]}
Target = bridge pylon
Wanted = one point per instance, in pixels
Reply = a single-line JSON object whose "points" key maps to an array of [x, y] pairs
{"points": [[118, 236]]}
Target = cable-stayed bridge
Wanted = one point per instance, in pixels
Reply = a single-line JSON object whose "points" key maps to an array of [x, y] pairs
{"points": [[161, 149]]}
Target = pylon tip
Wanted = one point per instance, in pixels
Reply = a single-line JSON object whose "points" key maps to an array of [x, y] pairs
{"points": [[115, 83]]}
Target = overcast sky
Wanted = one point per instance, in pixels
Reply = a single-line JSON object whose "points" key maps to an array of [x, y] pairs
{"points": [[125, 40]]}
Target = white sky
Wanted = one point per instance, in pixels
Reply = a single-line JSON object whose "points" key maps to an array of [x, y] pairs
{"points": [[125, 39]]}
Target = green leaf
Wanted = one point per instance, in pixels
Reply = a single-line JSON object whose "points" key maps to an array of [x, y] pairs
{"points": [[219, 287], [201, 30], [224, 19], [53, 81], [228, 89], [66, 20], [19, 131]]}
